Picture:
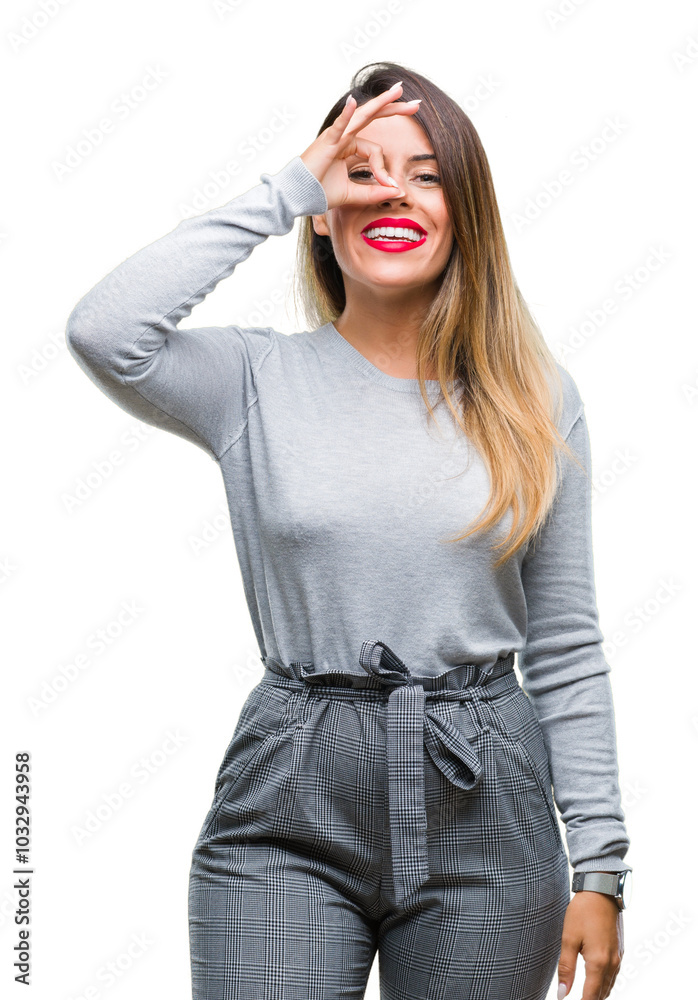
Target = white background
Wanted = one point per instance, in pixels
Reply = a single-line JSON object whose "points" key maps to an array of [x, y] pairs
{"points": [[541, 81]]}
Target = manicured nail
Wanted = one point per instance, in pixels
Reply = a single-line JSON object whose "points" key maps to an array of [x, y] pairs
{"points": [[394, 183], [396, 85], [419, 101], [561, 991]]}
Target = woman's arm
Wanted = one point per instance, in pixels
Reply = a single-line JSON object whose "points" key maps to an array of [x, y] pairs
{"points": [[565, 673], [123, 333]]}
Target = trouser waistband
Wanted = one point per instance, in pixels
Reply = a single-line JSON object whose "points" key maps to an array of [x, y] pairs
{"points": [[383, 669]]}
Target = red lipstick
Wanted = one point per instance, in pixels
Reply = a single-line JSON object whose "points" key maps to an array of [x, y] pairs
{"points": [[394, 245]]}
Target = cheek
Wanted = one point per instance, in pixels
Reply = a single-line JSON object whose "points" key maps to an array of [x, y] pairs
{"points": [[343, 228], [448, 233]]}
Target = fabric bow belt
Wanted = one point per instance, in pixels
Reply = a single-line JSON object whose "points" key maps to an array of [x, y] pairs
{"points": [[411, 727]]}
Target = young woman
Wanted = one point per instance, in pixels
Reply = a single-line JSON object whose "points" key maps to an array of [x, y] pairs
{"points": [[409, 491]]}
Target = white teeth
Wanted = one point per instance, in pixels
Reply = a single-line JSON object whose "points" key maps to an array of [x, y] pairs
{"points": [[395, 231]]}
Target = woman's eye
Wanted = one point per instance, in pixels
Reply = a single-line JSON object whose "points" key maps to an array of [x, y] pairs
{"points": [[365, 172]]}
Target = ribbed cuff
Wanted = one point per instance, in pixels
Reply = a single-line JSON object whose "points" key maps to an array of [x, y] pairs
{"points": [[304, 193], [609, 863]]}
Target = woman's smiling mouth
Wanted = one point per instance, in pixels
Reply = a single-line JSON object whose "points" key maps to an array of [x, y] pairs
{"points": [[394, 235]]}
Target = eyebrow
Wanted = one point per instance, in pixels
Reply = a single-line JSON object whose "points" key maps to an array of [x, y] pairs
{"points": [[417, 158]]}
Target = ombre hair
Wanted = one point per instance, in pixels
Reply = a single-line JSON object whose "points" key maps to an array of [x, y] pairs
{"points": [[478, 333]]}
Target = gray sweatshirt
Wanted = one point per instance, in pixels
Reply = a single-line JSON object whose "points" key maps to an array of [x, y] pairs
{"points": [[341, 495]]}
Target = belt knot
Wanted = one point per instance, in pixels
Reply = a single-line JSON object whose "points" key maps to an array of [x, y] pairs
{"points": [[372, 657]]}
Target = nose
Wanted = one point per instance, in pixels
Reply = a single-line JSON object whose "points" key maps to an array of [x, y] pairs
{"points": [[399, 199], [403, 198]]}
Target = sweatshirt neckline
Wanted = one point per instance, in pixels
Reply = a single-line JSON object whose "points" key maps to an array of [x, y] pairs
{"points": [[346, 350]]}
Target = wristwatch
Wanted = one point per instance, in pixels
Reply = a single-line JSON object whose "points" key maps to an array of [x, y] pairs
{"points": [[618, 885]]}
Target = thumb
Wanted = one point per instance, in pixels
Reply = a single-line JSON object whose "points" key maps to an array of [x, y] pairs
{"points": [[565, 972]]}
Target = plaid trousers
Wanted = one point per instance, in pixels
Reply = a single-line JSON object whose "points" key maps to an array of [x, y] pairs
{"points": [[380, 811]]}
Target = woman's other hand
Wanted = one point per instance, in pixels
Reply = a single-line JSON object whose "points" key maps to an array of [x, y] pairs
{"points": [[593, 926]]}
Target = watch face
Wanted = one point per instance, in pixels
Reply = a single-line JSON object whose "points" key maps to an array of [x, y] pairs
{"points": [[627, 887]]}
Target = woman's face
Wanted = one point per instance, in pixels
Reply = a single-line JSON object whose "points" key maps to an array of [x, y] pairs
{"points": [[376, 261]]}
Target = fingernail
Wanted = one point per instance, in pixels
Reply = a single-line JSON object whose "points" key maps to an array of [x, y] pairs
{"points": [[561, 991], [396, 85], [394, 183], [418, 101]]}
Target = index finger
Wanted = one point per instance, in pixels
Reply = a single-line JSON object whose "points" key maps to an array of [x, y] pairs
{"points": [[594, 982], [379, 107]]}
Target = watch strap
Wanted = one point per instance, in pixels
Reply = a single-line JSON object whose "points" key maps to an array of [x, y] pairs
{"points": [[597, 881]]}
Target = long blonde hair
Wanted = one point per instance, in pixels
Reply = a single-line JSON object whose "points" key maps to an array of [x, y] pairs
{"points": [[478, 333]]}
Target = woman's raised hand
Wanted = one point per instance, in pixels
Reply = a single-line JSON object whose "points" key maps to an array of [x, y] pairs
{"points": [[326, 158]]}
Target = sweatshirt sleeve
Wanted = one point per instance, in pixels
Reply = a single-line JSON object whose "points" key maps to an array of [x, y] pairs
{"points": [[124, 333], [565, 673]]}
